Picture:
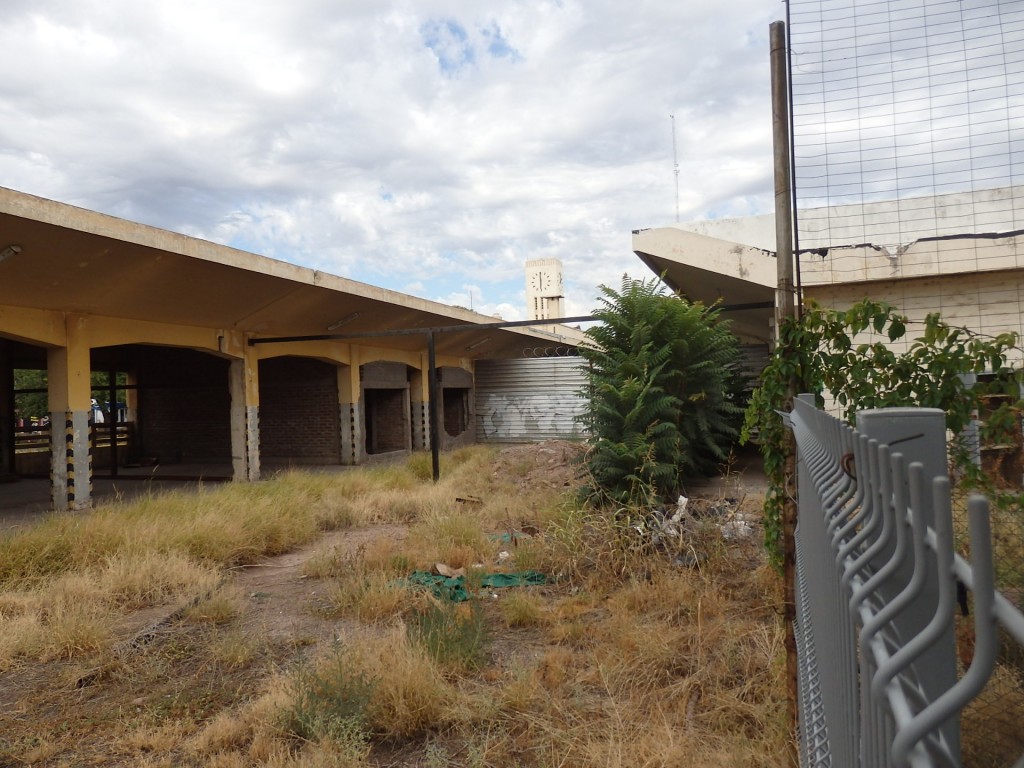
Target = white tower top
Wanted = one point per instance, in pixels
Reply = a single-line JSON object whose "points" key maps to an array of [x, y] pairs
{"points": [[545, 296]]}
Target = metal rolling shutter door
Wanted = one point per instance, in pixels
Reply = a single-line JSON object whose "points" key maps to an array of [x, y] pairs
{"points": [[528, 399]]}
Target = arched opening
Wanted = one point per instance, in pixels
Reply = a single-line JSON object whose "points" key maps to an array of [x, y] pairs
{"points": [[299, 411]]}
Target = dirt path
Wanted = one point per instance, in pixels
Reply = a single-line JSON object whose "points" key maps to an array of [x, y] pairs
{"points": [[286, 605], [162, 664]]}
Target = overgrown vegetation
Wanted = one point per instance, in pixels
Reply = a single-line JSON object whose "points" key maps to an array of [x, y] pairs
{"points": [[329, 703], [454, 635], [845, 355], [663, 394], [625, 658]]}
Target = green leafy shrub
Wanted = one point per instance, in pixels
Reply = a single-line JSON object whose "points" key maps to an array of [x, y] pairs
{"points": [[663, 393], [329, 703]]}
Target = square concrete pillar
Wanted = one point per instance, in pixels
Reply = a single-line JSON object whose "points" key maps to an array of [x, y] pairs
{"points": [[419, 394], [243, 382], [350, 415], [71, 459], [69, 385]]}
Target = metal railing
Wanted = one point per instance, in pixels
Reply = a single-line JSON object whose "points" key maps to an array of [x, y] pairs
{"points": [[884, 678], [32, 446]]}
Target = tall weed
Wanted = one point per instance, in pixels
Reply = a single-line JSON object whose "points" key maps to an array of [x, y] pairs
{"points": [[410, 693], [329, 703], [455, 635]]}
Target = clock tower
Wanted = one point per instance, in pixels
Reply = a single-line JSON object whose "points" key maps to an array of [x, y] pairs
{"points": [[545, 297]]}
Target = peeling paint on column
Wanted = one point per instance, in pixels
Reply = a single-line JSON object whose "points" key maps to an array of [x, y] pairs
{"points": [[71, 461], [252, 441], [358, 443], [351, 433], [421, 425], [345, 429]]}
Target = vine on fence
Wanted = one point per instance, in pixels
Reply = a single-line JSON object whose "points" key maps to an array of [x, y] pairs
{"points": [[844, 355]]}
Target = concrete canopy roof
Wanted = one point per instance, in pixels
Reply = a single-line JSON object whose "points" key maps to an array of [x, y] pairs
{"points": [[75, 260], [711, 270]]}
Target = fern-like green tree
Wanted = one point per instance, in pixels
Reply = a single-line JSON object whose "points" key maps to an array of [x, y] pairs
{"points": [[663, 393]]}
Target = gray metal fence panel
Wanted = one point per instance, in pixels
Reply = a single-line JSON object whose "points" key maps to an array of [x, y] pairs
{"points": [[877, 581]]}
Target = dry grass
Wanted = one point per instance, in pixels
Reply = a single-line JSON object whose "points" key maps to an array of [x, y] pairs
{"points": [[623, 659], [230, 525], [990, 726], [521, 609], [372, 597]]}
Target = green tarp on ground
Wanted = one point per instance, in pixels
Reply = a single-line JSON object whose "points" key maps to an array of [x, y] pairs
{"points": [[453, 588]]}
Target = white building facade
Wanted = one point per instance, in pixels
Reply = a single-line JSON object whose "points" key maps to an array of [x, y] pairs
{"points": [[959, 255]]}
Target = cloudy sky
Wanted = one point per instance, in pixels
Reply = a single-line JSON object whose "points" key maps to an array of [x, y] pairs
{"points": [[428, 146]]}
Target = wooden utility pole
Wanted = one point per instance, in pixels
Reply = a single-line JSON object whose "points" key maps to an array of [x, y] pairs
{"points": [[785, 309]]}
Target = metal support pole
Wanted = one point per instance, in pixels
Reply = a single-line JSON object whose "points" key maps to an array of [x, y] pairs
{"points": [[785, 309], [785, 303]]}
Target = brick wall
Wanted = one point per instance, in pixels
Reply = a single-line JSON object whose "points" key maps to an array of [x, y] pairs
{"points": [[184, 406], [986, 302], [299, 411]]}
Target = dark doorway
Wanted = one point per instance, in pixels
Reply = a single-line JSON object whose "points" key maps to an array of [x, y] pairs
{"points": [[299, 417], [387, 421], [456, 410]]}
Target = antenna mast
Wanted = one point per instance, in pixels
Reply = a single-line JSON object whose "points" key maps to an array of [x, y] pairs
{"points": [[675, 164]]}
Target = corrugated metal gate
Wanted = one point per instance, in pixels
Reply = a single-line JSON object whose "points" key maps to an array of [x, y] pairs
{"points": [[753, 361], [529, 399]]}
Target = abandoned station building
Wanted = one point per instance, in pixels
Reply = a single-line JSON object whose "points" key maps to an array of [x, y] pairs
{"points": [[166, 351], [959, 255]]}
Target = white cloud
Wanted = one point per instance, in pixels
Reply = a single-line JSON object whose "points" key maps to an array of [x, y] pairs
{"points": [[403, 144]]}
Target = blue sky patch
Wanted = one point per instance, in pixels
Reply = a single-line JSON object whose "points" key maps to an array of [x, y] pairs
{"points": [[497, 45], [450, 44]]}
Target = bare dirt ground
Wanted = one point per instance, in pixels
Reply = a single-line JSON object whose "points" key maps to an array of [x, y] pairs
{"points": [[160, 668], [175, 667]]}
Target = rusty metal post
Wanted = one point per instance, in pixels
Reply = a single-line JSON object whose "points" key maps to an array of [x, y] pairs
{"points": [[785, 309]]}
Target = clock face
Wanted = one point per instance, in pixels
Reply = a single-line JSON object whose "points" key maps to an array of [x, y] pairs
{"points": [[543, 281]]}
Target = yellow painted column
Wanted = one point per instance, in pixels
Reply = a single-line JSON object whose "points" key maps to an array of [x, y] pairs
{"points": [[350, 410], [419, 394], [70, 406], [243, 379]]}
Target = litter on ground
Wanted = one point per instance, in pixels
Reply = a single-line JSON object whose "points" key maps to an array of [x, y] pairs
{"points": [[453, 588]]}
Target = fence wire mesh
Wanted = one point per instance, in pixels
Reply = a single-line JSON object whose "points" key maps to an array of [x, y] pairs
{"points": [[908, 132]]}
